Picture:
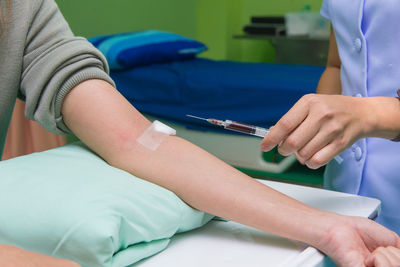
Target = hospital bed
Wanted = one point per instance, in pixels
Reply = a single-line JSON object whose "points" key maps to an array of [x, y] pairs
{"points": [[225, 243], [253, 93]]}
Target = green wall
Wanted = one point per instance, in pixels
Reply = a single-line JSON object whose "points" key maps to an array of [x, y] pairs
{"points": [[94, 17]]}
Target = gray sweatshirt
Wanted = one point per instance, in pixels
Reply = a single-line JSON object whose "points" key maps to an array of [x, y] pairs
{"points": [[40, 62]]}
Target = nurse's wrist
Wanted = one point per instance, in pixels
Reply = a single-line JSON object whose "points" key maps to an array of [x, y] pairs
{"points": [[382, 117]]}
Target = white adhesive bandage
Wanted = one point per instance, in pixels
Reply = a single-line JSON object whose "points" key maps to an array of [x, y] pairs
{"points": [[155, 135]]}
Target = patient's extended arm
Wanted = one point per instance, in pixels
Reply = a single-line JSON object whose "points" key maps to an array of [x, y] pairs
{"points": [[105, 121]]}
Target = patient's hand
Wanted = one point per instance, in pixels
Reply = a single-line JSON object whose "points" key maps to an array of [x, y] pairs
{"points": [[384, 256], [351, 243], [15, 257]]}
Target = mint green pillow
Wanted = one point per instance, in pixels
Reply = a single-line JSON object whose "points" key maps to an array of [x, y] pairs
{"points": [[67, 202]]}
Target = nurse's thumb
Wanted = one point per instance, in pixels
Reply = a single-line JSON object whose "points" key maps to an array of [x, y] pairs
{"points": [[267, 144]]}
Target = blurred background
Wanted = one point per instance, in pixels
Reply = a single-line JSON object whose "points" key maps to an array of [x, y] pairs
{"points": [[235, 30], [213, 22]]}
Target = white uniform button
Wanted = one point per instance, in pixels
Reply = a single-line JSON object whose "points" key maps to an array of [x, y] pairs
{"points": [[358, 44], [358, 153]]}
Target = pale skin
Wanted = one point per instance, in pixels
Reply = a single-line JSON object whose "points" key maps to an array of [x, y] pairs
{"points": [[383, 257], [15, 257], [107, 122], [320, 126]]}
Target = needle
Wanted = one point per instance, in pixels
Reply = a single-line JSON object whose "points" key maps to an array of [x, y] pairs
{"points": [[236, 126], [196, 117], [212, 121]]}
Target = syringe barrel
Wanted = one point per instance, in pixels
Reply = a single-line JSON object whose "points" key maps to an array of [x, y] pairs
{"points": [[261, 132], [245, 128]]}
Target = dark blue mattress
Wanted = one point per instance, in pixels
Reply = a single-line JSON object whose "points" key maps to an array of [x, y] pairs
{"points": [[255, 93]]}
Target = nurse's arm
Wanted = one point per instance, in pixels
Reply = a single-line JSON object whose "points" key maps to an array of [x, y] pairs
{"points": [[106, 122], [319, 127], [329, 82]]}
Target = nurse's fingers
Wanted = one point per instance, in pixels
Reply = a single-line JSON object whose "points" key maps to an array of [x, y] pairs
{"points": [[290, 121], [320, 140], [323, 156], [299, 137]]}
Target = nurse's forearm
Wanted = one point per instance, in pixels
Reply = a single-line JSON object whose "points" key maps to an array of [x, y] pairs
{"points": [[330, 83], [106, 122]]}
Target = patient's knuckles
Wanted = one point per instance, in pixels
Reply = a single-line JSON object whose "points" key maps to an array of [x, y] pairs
{"points": [[394, 250], [378, 251]]}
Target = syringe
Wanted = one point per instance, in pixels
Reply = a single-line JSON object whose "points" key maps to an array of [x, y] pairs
{"points": [[236, 126], [246, 128]]}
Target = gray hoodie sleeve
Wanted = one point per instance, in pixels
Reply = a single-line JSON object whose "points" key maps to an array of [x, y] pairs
{"points": [[54, 62]]}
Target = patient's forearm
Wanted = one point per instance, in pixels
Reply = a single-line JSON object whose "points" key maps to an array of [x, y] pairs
{"points": [[208, 184], [106, 122]]}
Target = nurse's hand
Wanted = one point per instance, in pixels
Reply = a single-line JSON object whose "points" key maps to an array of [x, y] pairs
{"points": [[384, 256], [351, 242], [319, 127], [16, 257]]}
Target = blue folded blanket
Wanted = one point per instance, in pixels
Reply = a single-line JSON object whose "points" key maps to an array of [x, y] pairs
{"points": [[128, 50], [255, 93]]}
